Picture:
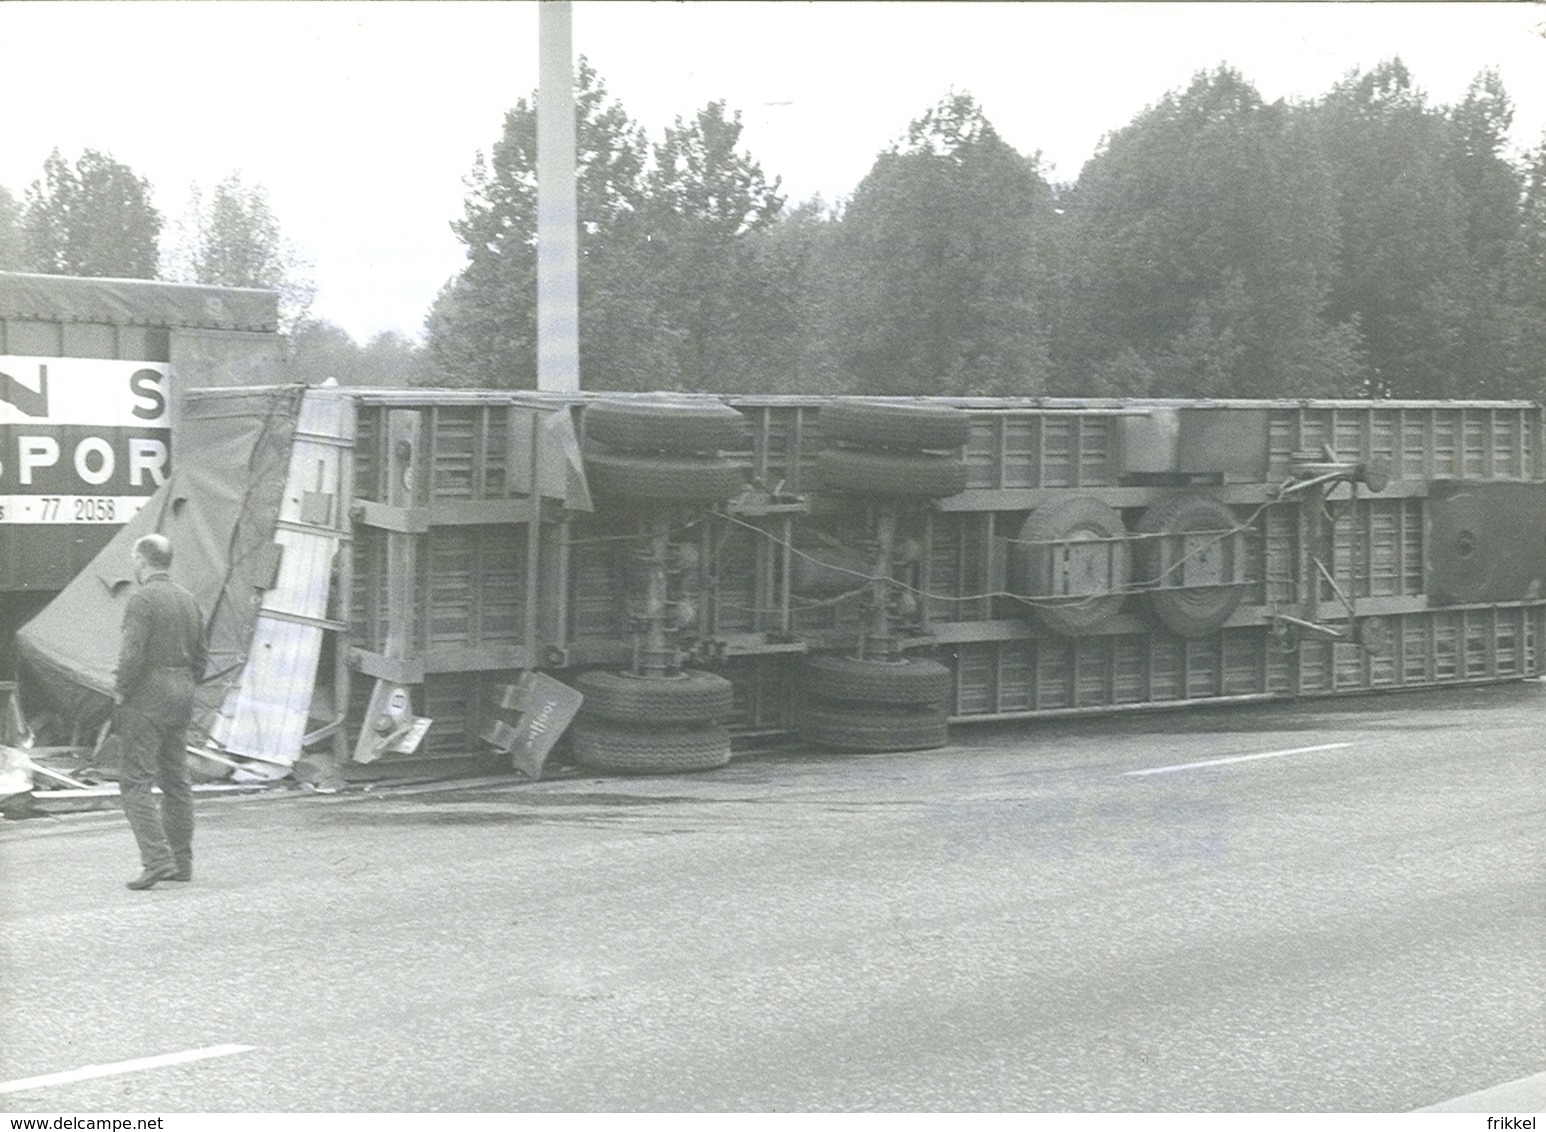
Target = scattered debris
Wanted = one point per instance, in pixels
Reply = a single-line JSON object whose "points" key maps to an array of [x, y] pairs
{"points": [[530, 717]]}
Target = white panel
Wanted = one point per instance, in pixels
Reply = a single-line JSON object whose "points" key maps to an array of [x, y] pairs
{"points": [[267, 717]]}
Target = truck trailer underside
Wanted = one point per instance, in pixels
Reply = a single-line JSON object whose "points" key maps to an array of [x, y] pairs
{"points": [[448, 576]]}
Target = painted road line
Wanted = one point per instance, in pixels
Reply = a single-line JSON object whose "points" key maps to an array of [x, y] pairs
{"points": [[1235, 759], [1526, 1095], [87, 1072]]}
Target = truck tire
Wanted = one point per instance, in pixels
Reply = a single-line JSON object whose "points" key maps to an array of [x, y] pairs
{"points": [[1185, 544], [909, 682], [676, 426], [907, 475], [898, 425], [662, 478], [620, 749], [1072, 555], [687, 697], [854, 727]]}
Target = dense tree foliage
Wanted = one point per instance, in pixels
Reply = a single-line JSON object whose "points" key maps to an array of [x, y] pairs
{"points": [[1200, 250], [662, 234], [1524, 287], [1365, 243], [704, 203], [1428, 206], [482, 329], [1496, 290], [94, 219], [942, 261], [1401, 221]]}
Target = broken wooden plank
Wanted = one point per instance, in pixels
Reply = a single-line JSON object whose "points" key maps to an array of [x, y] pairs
{"points": [[37, 768]]}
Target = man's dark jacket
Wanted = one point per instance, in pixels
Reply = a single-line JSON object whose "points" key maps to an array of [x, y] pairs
{"points": [[163, 653]]}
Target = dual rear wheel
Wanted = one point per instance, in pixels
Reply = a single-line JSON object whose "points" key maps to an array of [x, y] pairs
{"points": [[851, 704], [663, 450], [651, 724], [892, 450]]}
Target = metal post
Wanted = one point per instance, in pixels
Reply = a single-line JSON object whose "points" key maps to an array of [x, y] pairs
{"points": [[558, 290], [659, 657], [880, 636]]}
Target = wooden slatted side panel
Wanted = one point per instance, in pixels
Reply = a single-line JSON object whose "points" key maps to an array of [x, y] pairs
{"points": [[265, 717], [785, 442], [598, 605], [1281, 671], [1042, 449], [476, 585], [1280, 541], [1098, 459], [984, 454], [1019, 450], [1532, 631], [741, 601], [1050, 674], [369, 463], [367, 614], [1091, 661], [951, 567], [1420, 441], [1059, 452]]}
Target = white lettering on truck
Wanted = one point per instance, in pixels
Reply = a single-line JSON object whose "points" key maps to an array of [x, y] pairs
{"points": [[147, 456], [34, 452], [81, 439], [94, 446]]}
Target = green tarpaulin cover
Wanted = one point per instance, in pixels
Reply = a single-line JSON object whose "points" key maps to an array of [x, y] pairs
{"points": [[219, 508]]}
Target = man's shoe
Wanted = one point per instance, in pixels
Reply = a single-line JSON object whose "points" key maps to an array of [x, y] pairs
{"points": [[181, 872], [150, 876]]}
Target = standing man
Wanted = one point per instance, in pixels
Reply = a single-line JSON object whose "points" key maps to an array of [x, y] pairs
{"points": [[161, 659]]}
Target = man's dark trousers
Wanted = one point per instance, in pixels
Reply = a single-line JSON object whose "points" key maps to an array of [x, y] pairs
{"points": [[154, 754]]}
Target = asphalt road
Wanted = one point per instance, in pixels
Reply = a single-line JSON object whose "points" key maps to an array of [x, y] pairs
{"points": [[1054, 917]]}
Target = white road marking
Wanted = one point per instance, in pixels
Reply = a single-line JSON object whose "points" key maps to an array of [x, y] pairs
{"points": [[1235, 759], [1528, 1094], [86, 1072]]}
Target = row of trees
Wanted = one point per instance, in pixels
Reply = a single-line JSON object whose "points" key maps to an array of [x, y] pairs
{"points": [[96, 218], [676, 267], [1366, 243], [1363, 243], [93, 218]]}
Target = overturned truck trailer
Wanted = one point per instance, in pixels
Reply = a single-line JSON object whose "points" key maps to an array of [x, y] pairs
{"points": [[444, 570]]}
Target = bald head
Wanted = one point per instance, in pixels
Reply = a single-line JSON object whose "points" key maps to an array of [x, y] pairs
{"points": [[155, 551]]}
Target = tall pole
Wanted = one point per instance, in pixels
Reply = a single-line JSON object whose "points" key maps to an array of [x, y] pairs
{"points": [[558, 283]]}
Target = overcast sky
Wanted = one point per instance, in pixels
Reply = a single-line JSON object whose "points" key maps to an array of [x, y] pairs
{"points": [[362, 120]]}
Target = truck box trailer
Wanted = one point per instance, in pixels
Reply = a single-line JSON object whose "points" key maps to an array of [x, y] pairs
{"points": [[92, 377]]}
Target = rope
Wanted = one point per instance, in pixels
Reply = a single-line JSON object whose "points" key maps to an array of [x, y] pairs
{"points": [[1220, 536]]}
